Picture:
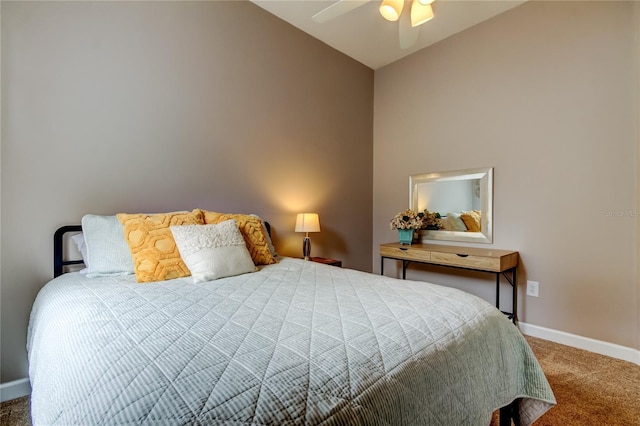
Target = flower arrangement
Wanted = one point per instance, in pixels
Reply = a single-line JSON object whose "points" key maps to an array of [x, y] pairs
{"points": [[432, 220], [408, 220]]}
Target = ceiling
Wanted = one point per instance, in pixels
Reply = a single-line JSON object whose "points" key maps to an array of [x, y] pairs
{"points": [[365, 36]]}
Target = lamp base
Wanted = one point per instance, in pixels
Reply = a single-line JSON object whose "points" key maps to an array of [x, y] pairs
{"points": [[306, 248]]}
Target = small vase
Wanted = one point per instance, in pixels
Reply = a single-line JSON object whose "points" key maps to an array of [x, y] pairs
{"points": [[405, 236]]}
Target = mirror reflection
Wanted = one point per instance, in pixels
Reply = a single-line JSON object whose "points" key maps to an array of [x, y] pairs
{"points": [[459, 202]]}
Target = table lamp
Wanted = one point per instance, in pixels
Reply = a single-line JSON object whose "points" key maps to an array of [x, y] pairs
{"points": [[307, 222]]}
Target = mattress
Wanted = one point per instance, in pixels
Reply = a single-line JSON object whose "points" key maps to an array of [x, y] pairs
{"points": [[291, 344]]}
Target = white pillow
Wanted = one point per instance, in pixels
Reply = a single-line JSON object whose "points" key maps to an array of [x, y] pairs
{"points": [[107, 250], [455, 223], [78, 239], [213, 251]]}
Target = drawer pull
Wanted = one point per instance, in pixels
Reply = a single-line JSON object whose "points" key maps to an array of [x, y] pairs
{"points": [[462, 255], [403, 249]]}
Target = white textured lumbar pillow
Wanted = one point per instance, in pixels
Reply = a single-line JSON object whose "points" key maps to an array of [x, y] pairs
{"points": [[213, 251]]}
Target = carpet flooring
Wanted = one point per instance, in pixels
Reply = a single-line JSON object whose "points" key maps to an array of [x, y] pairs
{"points": [[15, 412], [591, 389]]}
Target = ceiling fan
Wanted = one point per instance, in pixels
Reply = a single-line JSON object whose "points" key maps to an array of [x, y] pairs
{"points": [[391, 10]]}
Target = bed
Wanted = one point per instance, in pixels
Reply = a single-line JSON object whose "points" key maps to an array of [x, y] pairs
{"points": [[293, 343]]}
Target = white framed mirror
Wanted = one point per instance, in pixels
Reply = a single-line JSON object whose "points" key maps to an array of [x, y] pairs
{"points": [[463, 200]]}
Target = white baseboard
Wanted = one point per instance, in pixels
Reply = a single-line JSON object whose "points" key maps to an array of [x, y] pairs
{"points": [[15, 389], [586, 343]]}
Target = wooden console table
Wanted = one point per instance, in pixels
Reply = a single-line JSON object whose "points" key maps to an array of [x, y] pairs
{"points": [[499, 262]]}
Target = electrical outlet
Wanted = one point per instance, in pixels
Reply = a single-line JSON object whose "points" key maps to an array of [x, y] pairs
{"points": [[532, 288]]}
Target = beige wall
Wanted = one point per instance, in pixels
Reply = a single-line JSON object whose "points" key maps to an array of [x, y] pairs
{"points": [[111, 107], [547, 94], [160, 106]]}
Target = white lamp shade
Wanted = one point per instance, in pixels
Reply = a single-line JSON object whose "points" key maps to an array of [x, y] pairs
{"points": [[307, 222], [425, 2], [391, 9], [420, 13]]}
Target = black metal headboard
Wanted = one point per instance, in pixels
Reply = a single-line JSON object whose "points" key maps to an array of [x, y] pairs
{"points": [[58, 247]]}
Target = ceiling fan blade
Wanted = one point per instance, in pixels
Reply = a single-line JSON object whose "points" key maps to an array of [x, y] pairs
{"points": [[338, 8], [408, 35]]}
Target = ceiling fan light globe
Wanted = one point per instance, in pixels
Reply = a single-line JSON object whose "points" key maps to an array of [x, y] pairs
{"points": [[420, 13], [425, 2], [391, 9]]}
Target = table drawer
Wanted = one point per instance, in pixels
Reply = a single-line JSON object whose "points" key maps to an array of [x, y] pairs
{"points": [[466, 261], [406, 253]]}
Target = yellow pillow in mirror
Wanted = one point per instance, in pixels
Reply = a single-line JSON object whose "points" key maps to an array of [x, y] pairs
{"points": [[153, 249], [472, 219], [252, 232]]}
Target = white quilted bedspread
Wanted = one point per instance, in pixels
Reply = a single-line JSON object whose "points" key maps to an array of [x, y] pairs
{"points": [[294, 343]]}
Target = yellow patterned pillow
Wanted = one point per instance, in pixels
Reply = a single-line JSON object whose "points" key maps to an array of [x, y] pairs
{"points": [[154, 251], [252, 232], [472, 219]]}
